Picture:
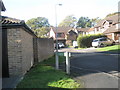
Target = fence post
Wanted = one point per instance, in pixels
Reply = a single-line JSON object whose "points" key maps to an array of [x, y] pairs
{"points": [[67, 63]]}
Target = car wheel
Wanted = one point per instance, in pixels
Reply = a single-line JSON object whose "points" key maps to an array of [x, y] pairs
{"points": [[113, 43], [101, 45]]}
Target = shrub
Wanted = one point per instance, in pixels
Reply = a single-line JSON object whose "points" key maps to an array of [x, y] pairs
{"points": [[86, 40]]}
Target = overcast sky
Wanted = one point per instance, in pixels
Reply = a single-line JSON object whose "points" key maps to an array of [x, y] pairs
{"points": [[27, 9]]}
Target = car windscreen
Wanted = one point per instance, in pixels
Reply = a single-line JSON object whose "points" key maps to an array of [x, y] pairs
{"points": [[96, 40]]}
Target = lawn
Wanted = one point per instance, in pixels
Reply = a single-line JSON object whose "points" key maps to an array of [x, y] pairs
{"points": [[43, 75], [115, 48]]}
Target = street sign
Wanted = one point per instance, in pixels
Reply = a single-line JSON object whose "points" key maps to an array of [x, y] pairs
{"points": [[66, 54]]}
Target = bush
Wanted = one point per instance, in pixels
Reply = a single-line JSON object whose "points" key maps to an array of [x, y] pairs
{"points": [[86, 40]]}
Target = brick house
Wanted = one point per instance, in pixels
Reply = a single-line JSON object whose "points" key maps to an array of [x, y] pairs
{"points": [[112, 27], [108, 26], [82, 31], [113, 32], [64, 34]]}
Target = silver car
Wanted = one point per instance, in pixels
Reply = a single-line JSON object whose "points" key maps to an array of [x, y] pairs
{"points": [[101, 42]]}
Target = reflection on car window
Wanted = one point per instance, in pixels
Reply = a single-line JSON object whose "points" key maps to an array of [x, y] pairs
{"points": [[95, 40], [102, 39]]}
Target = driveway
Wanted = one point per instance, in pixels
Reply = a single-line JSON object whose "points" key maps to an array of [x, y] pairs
{"points": [[94, 69]]}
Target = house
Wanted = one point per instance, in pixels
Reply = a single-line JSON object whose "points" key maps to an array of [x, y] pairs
{"points": [[111, 27], [90, 31], [113, 32], [82, 31], [63, 34], [108, 26]]}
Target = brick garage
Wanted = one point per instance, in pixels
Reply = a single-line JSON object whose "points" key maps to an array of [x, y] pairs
{"points": [[17, 47], [21, 48]]}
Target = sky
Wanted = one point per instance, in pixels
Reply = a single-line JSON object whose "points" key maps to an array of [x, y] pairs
{"points": [[27, 9]]}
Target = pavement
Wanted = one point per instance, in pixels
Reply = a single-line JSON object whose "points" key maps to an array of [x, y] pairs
{"points": [[11, 82], [94, 69]]}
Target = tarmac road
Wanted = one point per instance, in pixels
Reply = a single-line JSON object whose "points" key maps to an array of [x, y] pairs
{"points": [[94, 69]]}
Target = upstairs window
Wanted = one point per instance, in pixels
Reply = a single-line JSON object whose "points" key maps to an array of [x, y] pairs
{"points": [[59, 34]]}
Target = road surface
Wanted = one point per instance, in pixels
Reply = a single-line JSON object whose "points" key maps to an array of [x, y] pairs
{"points": [[93, 68]]}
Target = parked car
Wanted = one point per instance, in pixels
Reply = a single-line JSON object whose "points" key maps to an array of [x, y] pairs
{"points": [[61, 45], [55, 46], [75, 45], [101, 42]]}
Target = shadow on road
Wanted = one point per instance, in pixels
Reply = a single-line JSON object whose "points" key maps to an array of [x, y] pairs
{"points": [[89, 63]]}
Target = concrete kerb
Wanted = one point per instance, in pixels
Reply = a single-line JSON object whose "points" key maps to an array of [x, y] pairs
{"points": [[96, 71]]}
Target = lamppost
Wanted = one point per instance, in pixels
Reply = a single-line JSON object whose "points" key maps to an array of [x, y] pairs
{"points": [[56, 56]]}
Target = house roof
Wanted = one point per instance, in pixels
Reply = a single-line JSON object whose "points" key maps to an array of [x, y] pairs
{"points": [[61, 29], [71, 31], [113, 19], [91, 29], [2, 6], [83, 29], [99, 23], [112, 29], [8, 22]]}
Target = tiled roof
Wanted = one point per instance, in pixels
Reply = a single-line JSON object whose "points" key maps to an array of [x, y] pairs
{"points": [[61, 29], [99, 23], [91, 29], [112, 29], [14, 23], [113, 19], [83, 29], [8, 21]]}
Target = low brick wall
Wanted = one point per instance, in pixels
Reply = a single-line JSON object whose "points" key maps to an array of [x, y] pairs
{"points": [[45, 48]]}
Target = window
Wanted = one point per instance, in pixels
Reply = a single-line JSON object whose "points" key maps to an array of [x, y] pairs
{"points": [[59, 34], [103, 39]]}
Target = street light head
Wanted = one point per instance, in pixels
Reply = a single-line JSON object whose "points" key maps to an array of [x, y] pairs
{"points": [[60, 4]]}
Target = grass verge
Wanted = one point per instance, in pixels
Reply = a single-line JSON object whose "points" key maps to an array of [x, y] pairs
{"points": [[43, 75], [115, 48]]}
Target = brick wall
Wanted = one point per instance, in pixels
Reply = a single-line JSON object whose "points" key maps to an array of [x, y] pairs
{"points": [[24, 50], [45, 48], [27, 51], [20, 51], [14, 51]]}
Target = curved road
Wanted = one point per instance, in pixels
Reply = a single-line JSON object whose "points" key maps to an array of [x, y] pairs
{"points": [[93, 68]]}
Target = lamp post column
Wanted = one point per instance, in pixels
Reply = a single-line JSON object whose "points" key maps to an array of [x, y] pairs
{"points": [[56, 54]]}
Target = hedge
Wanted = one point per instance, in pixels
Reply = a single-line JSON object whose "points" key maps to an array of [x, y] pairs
{"points": [[86, 40]]}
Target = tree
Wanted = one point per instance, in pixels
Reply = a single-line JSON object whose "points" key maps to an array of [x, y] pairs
{"points": [[38, 25], [69, 21], [95, 21], [42, 32], [85, 22]]}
